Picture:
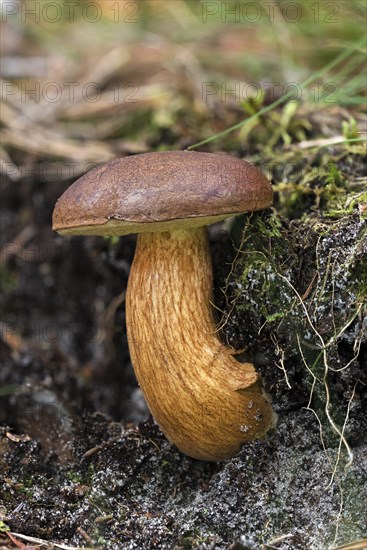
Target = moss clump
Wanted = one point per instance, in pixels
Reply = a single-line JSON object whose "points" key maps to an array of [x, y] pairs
{"points": [[298, 291]]}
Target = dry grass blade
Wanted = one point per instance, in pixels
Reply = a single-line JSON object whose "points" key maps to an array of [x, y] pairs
{"points": [[100, 71], [356, 545], [48, 544], [129, 98], [324, 142], [40, 144]]}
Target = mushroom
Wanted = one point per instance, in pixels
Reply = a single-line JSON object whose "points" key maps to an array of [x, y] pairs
{"points": [[206, 402]]}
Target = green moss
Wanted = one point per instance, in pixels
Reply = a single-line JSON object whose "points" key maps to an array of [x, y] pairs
{"points": [[267, 296], [300, 278], [75, 477], [4, 527]]}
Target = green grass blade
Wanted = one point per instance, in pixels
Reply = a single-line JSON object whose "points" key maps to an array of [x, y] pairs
{"points": [[344, 55]]}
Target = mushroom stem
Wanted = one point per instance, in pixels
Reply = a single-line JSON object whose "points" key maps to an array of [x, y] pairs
{"points": [[205, 401]]}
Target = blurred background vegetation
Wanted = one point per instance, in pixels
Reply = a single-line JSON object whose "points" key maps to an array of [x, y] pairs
{"points": [[87, 81]]}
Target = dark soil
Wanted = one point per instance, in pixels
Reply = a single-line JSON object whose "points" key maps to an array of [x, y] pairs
{"points": [[84, 464]]}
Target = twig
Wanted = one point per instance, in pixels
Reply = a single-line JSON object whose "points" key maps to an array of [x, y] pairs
{"points": [[47, 543], [13, 248], [84, 535]]}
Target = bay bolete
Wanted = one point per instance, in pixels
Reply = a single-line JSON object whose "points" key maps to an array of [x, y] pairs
{"points": [[206, 402]]}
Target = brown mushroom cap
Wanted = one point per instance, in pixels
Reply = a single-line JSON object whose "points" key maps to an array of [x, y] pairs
{"points": [[159, 192]]}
